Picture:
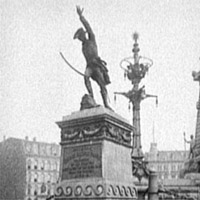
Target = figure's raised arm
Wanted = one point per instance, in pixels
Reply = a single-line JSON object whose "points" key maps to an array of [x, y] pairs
{"points": [[85, 22]]}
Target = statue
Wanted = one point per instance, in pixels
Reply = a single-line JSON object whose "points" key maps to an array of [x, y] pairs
{"points": [[192, 145], [96, 68]]}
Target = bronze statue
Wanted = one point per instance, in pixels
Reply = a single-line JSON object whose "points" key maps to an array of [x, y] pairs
{"points": [[96, 68], [192, 146]]}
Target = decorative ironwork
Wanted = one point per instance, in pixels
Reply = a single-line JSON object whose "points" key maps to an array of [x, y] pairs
{"points": [[135, 68]]}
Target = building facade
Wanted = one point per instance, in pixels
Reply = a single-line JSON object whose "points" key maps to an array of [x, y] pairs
{"points": [[166, 163], [29, 170]]}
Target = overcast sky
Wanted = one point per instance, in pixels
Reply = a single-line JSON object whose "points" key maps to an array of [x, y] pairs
{"points": [[37, 88]]}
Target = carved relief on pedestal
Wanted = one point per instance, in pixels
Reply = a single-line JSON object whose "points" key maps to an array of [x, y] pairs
{"points": [[121, 191], [96, 130], [80, 191], [96, 190]]}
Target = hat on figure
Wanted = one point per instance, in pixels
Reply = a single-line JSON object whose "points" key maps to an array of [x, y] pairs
{"points": [[79, 32]]}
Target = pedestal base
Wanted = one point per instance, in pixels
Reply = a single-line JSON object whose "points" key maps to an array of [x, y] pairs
{"points": [[95, 156], [95, 188], [190, 166]]}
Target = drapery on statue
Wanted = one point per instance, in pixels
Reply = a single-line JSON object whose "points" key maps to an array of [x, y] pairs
{"points": [[96, 68]]}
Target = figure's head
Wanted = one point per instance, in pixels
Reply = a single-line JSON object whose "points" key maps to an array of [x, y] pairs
{"points": [[191, 137], [80, 34]]}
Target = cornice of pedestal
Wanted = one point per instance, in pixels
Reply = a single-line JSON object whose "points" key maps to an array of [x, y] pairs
{"points": [[95, 124], [93, 114]]}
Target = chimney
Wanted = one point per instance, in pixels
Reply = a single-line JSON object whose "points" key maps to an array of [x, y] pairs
{"points": [[34, 139], [26, 138]]}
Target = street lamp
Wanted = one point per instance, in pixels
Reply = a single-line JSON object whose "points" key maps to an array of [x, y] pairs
{"points": [[135, 69]]}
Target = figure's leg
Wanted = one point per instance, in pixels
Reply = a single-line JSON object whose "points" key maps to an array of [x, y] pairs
{"points": [[190, 154], [104, 93], [87, 81]]}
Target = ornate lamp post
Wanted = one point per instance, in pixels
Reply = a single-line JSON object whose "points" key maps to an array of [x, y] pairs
{"points": [[135, 68]]}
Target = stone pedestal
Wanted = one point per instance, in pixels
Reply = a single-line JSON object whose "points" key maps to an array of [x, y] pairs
{"points": [[153, 186], [96, 156]]}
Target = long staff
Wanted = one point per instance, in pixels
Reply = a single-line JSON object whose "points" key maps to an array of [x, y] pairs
{"points": [[71, 65]]}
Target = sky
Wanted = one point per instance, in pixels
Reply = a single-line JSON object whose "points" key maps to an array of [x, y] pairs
{"points": [[37, 88]]}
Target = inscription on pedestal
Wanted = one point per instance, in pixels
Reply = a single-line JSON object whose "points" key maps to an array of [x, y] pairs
{"points": [[82, 161]]}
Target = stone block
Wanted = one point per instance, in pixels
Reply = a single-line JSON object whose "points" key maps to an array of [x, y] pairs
{"points": [[96, 156]]}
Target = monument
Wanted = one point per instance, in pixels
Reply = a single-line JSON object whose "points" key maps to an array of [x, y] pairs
{"points": [[187, 185], [95, 141], [192, 165], [96, 162]]}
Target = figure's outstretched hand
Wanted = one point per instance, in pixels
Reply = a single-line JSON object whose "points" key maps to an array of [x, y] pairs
{"points": [[79, 10]]}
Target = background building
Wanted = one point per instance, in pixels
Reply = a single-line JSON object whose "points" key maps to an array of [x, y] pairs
{"points": [[166, 163], [28, 169]]}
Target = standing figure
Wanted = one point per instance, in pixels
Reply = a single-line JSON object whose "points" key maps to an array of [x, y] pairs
{"points": [[96, 68], [192, 145]]}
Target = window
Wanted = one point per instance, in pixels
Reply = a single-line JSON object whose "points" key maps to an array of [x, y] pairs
{"points": [[179, 166], [49, 178], [42, 177], [160, 176], [29, 190], [173, 175], [55, 165], [159, 167], [29, 164], [54, 178], [172, 156], [36, 191], [35, 177], [166, 167], [29, 177], [54, 151], [42, 165], [49, 191], [173, 167], [166, 175], [43, 188], [36, 164], [48, 165]]}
